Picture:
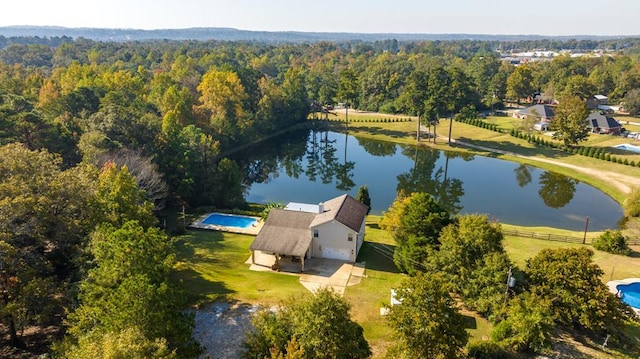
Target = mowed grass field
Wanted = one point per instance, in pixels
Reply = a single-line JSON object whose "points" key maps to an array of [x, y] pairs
{"points": [[212, 266]]}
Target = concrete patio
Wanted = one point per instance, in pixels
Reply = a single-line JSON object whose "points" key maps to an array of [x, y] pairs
{"points": [[319, 272]]}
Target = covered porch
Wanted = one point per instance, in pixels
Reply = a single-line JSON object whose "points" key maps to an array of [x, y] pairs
{"points": [[278, 262]]}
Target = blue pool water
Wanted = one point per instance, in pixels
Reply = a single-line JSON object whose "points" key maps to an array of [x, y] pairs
{"points": [[630, 294], [229, 220]]}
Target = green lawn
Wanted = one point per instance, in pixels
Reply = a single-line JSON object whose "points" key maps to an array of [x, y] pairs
{"points": [[614, 266], [212, 266]]}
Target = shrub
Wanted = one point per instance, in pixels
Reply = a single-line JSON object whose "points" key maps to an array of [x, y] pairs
{"points": [[632, 203], [612, 241], [486, 350]]}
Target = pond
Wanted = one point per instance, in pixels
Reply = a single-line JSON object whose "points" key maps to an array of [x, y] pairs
{"points": [[313, 166]]}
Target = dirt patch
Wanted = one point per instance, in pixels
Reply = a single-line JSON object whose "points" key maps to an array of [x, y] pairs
{"points": [[37, 341], [221, 327]]}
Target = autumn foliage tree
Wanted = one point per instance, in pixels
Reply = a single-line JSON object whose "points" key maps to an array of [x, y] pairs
{"points": [[569, 124]]}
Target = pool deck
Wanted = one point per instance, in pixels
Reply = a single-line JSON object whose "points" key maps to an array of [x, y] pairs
{"points": [[252, 230], [613, 288]]}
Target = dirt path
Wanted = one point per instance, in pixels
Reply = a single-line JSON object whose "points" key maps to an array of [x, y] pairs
{"points": [[622, 182]]}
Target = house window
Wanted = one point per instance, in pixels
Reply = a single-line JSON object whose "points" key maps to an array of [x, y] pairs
{"points": [[350, 237], [315, 233]]}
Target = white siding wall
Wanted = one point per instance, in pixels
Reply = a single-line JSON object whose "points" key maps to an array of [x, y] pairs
{"points": [[332, 242], [361, 236]]}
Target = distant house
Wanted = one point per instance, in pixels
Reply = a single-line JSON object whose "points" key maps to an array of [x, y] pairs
{"points": [[598, 122], [333, 229], [595, 101], [542, 113]]}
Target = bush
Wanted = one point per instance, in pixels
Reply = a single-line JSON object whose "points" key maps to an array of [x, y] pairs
{"points": [[632, 203], [612, 241], [486, 350]]}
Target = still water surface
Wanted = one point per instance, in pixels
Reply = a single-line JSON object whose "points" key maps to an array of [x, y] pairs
{"points": [[311, 167]]}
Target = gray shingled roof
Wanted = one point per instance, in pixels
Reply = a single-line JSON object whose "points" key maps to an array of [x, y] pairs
{"points": [[542, 111], [344, 209], [288, 232], [285, 232], [599, 120]]}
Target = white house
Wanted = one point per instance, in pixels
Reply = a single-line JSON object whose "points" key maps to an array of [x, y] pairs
{"points": [[334, 229]]}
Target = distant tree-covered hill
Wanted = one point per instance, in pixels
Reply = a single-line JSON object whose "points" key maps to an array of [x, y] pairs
{"points": [[229, 34]]}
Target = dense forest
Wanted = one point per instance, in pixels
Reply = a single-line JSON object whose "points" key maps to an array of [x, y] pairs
{"points": [[96, 137]]}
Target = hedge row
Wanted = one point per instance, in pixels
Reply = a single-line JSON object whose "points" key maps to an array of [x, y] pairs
{"points": [[593, 152], [479, 123], [601, 154], [534, 139]]}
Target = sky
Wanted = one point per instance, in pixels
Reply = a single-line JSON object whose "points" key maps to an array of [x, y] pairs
{"points": [[498, 17]]}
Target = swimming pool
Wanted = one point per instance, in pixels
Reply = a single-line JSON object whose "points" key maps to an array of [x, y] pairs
{"points": [[229, 220], [630, 294]]}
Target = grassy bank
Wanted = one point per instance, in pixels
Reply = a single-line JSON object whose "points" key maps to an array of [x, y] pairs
{"points": [[404, 132]]}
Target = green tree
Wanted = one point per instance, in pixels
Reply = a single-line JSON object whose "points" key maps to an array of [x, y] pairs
{"points": [[569, 123], [421, 221], [320, 324], [520, 83], [580, 86], [228, 192], [413, 96], [427, 322], [528, 325], [119, 199], [348, 90], [363, 196], [632, 102], [44, 222], [472, 258], [129, 287], [223, 95], [572, 282]]}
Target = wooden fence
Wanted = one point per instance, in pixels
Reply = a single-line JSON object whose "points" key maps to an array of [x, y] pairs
{"points": [[557, 238]]}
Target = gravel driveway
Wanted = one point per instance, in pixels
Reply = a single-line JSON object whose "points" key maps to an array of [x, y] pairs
{"points": [[221, 327]]}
